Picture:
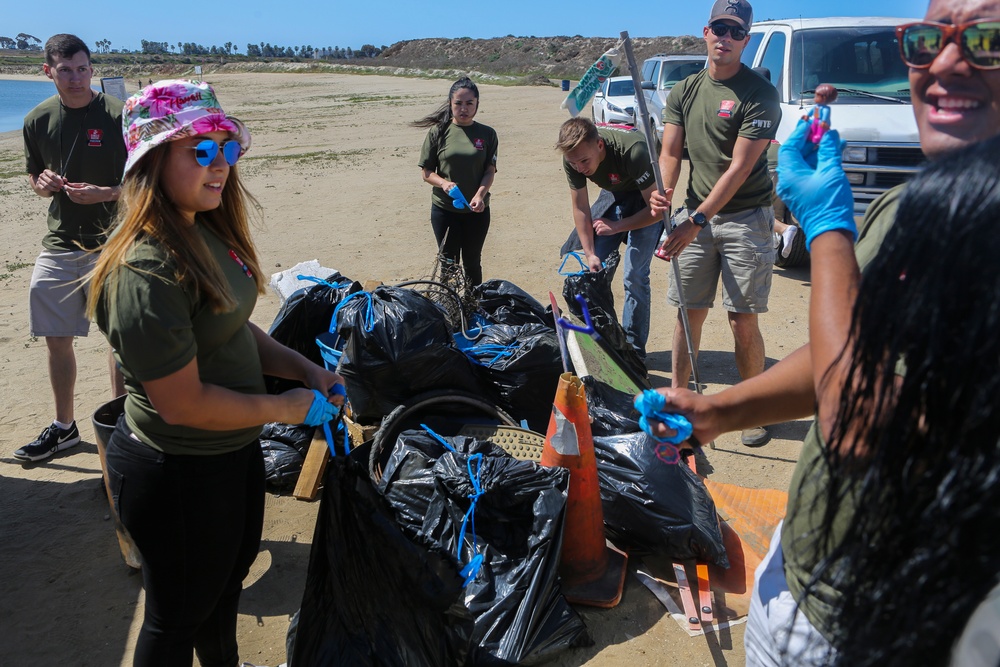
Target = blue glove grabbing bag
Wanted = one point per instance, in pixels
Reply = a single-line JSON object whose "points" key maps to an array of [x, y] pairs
{"points": [[458, 199], [321, 411], [650, 405], [812, 183]]}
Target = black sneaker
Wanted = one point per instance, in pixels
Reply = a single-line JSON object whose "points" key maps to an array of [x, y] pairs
{"points": [[53, 439]]}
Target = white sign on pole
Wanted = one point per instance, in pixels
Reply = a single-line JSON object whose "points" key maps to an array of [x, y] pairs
{"points": [[114, 86]]}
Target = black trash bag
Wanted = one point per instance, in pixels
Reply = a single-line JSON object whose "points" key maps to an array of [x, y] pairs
{"points": [[653, 506], [282, 466], [305, 315], [398, 345], [524, 364], [372, 595], [649, 505], [506, 303], [605, 202], [612, 412], [520, 614], [297, 435], [595, 288]]}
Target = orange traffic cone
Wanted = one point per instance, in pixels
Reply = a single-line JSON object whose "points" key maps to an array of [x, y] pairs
{"points": [[592, 572]]}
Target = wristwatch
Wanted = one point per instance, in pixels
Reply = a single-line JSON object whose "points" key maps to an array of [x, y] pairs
{"points": [[699, 219]]}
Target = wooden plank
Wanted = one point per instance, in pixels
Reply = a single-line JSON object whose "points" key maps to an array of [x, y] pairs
{"points": [[359, 433], [307, 488]]}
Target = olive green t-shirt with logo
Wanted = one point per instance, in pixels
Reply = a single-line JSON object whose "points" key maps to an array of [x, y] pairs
{"points": [[802, 544], [714, 114], [157, 326], [86, 146], [625, 167], [460, 155]]}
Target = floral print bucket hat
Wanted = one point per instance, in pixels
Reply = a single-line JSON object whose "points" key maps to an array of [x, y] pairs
{"points": [[173, 109]]}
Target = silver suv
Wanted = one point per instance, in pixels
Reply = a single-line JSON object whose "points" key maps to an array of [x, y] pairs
{"points": [[659, 74]]}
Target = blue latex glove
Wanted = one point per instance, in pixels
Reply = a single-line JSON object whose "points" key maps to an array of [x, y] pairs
{"points": [[321, 411], [458, 199], [813, 185], [650, 405], [338, 390]]}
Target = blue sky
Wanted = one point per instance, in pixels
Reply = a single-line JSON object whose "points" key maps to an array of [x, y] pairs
{"points": [[378, 22]]}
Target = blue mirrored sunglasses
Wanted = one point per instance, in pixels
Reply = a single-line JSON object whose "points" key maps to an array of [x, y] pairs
{"points": [[207, 149]]}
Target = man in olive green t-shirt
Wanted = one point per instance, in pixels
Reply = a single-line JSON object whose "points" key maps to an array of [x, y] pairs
{"points": [[75, 156], [727, 116], [617, 161]]}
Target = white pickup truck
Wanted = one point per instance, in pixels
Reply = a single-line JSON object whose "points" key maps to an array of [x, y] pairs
{"points": [[860, 57]]}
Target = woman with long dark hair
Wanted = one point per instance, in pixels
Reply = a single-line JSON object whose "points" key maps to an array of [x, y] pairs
{"points": [[906, 362], [459, 159], [173, 291]]}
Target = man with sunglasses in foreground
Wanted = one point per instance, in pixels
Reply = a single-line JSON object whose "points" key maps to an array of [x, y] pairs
{"points": [[955, 87], [75, 156], [727, 115]]}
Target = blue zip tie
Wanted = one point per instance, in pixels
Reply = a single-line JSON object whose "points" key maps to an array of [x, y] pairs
{"points": [[444, 443], [588, 325], [584, 266], [320, 281], [329, 438], [472, 568], [369, 312]]}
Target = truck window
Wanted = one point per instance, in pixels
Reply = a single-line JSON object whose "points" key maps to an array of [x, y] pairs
{"points": [[647, 71], [863, 60], [774, 58], [675, 73], [751, 50]]}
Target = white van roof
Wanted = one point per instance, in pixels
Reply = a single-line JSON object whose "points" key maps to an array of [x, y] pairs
{"points": [[835, 22]]}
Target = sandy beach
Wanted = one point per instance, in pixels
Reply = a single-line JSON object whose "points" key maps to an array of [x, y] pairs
{"points": [[333, 165]]}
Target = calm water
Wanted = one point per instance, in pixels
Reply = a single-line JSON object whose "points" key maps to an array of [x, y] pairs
{"points": [[17, 98]]}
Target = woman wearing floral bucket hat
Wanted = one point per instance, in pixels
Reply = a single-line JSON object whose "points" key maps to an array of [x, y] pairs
{"points": [[173, 291]]}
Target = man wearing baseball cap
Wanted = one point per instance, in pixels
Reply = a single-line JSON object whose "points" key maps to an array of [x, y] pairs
{"points": [[727, 115]]}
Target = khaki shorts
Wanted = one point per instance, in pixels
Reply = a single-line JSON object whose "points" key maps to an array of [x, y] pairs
{"points": [[57, 299], [738, 246]]}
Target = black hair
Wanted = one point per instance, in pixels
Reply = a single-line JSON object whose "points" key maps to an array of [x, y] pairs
{"points": [[922, 548], [442, 116], [65, 46]]}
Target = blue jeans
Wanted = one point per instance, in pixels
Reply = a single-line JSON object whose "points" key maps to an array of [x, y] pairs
{"points": [[641, 243]]}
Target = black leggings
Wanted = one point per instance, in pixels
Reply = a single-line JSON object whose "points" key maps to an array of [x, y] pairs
{"points": [[197, 522], [466, 236]]}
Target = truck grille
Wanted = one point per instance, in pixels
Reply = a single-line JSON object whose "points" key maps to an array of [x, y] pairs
{"points": [[887, 166]]}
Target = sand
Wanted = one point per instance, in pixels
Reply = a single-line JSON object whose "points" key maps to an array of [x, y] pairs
{"points": [[333, 164]]}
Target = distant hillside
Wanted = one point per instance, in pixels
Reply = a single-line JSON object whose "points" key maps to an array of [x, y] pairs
{"points": [[552, 57], [525, 60]]}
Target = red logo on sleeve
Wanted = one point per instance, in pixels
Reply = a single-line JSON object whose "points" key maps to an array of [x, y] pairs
{"points": [[94, 137], [726, 108], [615, 179], [478, 143]]}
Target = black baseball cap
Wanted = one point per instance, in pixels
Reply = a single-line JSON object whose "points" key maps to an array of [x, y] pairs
{"points": [[734, 10]]}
